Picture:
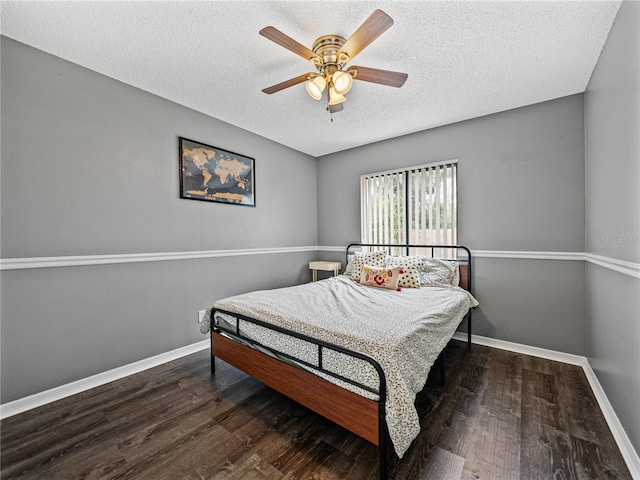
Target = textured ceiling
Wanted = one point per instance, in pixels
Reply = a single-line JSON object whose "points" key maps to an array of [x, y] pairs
{"points": [[464, 59]]}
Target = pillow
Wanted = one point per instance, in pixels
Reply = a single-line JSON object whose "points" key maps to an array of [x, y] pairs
{"points": [[382, 277], [432, 271], [455, 281], [347, 269], [440, 272], [411, 267], [374, 259]]}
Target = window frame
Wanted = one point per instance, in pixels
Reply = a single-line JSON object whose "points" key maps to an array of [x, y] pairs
{"points": [[408, 211]]}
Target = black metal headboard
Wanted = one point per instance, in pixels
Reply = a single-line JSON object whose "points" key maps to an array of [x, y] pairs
{"points": [[455, 253]]}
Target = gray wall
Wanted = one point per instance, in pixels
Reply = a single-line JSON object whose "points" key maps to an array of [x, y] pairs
{"points": [[612, 125], [90, 167], [521, 187]]}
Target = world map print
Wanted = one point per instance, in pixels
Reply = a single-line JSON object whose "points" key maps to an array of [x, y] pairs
{"points": [[213, 174]]}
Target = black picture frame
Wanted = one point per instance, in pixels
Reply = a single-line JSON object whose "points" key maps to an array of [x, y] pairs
{"points": [[212, 174]]}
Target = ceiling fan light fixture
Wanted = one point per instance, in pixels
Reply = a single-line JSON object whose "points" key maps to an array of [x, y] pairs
{"points": [[335, 98], [342, 82], [315, 86]]}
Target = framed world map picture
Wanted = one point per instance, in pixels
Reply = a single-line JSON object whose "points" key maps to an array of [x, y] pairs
{"points": [[216, 175]]}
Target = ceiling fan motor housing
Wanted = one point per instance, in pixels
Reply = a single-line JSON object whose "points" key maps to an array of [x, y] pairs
{"points": [[327, 48]]}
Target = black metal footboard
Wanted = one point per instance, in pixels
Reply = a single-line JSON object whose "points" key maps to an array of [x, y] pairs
{"points": [[321, 345]]}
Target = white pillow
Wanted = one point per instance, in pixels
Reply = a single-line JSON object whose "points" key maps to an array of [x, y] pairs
{"points": [[347, 269], [440, 272], [374, 259], [411, 268], [432, 271]]}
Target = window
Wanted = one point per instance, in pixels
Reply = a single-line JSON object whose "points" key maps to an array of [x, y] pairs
{"points": [[414, 205]]}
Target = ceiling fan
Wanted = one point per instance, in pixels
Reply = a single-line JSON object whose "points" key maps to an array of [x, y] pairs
{"points": [[330, 54]]}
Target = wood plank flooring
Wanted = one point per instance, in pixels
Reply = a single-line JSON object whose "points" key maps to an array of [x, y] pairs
{"points": [[501, 415]]}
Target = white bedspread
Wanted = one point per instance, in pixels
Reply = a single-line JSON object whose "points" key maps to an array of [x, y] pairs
{"points": [[403, 331]]}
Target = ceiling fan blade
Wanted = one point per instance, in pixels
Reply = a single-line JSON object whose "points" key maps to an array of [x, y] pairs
{"points": [[286, 84], [287, 42], [374, 26], [375, 75]]}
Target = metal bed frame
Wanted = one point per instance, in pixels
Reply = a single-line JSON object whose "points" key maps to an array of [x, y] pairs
{"points": [[381, 391]]}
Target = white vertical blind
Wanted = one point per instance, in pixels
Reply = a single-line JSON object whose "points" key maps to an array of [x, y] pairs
{"points": [[382, 208], [415, 205]]}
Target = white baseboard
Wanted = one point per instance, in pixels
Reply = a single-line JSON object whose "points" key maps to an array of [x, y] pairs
{"points": [[624, 444], [622, 440], [524, 349], [63, 391]]}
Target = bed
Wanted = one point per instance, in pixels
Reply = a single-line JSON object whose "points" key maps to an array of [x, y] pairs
{"points": [[354, 353]]}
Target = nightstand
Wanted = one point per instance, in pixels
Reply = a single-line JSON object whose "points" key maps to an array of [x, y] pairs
{"points": [[325, 267]]}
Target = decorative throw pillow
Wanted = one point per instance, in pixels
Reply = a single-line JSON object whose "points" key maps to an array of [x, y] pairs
{"points": [[382, 277], [412, 266], [440, 272], [374, 259]]}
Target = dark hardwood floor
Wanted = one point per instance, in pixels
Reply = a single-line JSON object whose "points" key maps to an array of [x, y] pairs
{"points": [[501, 415]]}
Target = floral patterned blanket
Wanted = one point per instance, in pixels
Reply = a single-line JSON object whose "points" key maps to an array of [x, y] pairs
{"points": [[404, 331]]}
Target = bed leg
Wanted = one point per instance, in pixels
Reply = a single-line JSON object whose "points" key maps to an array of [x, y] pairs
{"points": [[382, 447], [382, 442], [213, 358], [469, 328], [383, 464], [442, 368]]}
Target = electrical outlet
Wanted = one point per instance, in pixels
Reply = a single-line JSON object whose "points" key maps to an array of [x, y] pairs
{"points": [[201, 315]]}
